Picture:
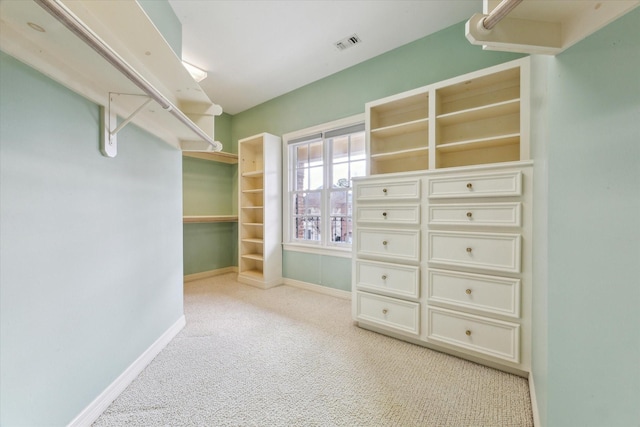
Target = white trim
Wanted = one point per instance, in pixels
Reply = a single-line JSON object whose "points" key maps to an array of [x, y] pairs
{"points": [[324, 127], [210, 273], [534, 402], [334, 251], [338, 293], [102, 402], [286, 172]]}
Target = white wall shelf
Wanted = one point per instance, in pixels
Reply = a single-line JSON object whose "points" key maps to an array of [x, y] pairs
{"points": [[259, 207], [220, 156], [59, 53], [477, 118], [544, 27], [193, 219]]}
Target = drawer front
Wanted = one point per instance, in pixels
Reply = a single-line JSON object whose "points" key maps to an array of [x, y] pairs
{"points": [[402, 245], [401, 315], [486, 336], [481, 214], [389, 214], [393, 190], [489, 294], [487, 251], [496, 184], [393, 279]]}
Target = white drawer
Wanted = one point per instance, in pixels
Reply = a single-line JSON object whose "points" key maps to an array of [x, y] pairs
{"points": [[389, 312], [481, 214], [491, 337], [409, 214], [494, 184], [393, 279], [489, 294], [487, 251], [392, 190], [402, 245]]}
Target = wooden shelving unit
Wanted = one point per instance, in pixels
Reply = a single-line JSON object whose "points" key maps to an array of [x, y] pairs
{"points": [[260, 230], [398, 133], [220, 156], [195, 219], [478, 118]]}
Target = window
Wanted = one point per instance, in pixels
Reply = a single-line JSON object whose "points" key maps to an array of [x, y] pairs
{"points": [[320, 164]]}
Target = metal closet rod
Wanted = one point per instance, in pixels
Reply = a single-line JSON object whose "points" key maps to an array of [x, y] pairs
{"points": [[69, 20], [500, 11]]}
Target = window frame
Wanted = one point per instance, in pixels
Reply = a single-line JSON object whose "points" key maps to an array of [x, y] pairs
{"points": [[323, 247]]}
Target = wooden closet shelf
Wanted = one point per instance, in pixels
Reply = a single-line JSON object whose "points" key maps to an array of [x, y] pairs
{"points": [[220, 156], [400, 154], [191, 219]]}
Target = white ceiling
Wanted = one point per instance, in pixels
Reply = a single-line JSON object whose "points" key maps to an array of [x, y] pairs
{"points": [[256, 50]]}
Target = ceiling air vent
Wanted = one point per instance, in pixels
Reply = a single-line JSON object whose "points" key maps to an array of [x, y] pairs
{"points": [[347, 42]]}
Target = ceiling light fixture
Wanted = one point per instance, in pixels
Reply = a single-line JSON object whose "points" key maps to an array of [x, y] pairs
{"points": [[197, 74]]}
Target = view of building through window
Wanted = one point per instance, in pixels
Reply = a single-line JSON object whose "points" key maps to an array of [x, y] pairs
{"points": [[321, 196]]}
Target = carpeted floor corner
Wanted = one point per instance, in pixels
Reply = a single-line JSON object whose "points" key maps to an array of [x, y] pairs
{"points": [[291, 357]]}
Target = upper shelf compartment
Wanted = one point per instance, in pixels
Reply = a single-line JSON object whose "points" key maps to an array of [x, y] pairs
{"points": [[542, 27], [184, 116]]}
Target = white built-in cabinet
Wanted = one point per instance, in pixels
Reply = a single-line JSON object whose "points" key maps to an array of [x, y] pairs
{"points": [[478, 118], [442, 225], [260, 211]]}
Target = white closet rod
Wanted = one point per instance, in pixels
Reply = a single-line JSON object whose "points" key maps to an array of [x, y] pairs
{"points": [[500, 11], [69, 20]]}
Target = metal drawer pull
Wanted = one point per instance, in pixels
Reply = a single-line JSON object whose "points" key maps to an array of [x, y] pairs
{"points": [[385, 311], [384, 214], [469, 214], [469, 186], [468, 291], [384, 277], [384, 242], [384, 190], [469, 250], [468, 332]]}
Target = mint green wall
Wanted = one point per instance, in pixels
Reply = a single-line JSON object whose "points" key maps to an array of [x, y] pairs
{"points": [[166, 21], [437, 57], [333, 272], [91, 249], [209, 188], [594, 236]]}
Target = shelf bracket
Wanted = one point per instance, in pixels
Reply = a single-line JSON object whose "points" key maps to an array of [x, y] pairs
{"points": [[109, 119]]}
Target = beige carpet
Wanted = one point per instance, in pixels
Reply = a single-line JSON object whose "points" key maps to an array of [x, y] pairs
{"points": [[291, 357]]}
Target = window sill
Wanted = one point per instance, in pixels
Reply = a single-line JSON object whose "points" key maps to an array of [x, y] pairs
{"points": [[334, 251]]}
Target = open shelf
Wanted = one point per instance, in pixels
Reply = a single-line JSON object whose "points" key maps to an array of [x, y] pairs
{"points": [[259, 204], [479, 113], [258, 241], [401, 154], [474, 144], [253, 174], [220, 156], [63, 56], [477, 118], [402, 128], [255, 257], [191, 219]]}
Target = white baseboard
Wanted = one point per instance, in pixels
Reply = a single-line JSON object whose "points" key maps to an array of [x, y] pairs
{"points": [[318, 288], [210, 273], [534, 402], [102, 402]]}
